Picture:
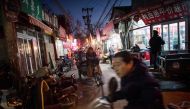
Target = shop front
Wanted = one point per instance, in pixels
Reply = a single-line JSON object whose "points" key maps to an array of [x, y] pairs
{"points": [[174, 33], [59, 42], [114, 40], [110, 37], [170, 20], [31, 44], [140, 34], [28, 50]]}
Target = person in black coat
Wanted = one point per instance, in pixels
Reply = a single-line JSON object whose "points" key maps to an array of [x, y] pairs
{"points": [[139, 88], [155, 43]]}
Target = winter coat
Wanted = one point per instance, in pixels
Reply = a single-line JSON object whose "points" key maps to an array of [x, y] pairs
{"points": [[139, 89], [155, 43]]}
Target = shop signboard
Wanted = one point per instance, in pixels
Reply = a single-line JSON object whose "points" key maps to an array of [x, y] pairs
{"points": [[165, 12], [32, 7], [62, 33], [38, 23]]}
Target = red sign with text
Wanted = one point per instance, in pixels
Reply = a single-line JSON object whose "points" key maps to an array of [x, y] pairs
{"points": [[161, 13]]}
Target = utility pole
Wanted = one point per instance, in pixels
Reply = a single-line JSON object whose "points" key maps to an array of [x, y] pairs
{"points": [[87, 19]]}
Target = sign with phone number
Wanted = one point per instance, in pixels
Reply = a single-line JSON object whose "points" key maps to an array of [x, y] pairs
{"points": [[163, 13]]}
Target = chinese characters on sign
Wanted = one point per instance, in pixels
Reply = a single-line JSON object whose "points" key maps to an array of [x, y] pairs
{"points": [[171, 11], [32, 7]]}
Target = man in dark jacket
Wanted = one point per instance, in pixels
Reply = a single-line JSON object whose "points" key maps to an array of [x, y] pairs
{"points": [[137, 86], [155, 43]]}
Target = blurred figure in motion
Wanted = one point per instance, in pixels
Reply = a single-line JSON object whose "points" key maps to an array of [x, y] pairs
{"points": [[137, 86], [98, 53], [155, 43], [81, 59], [91, 60], [111, 53]]}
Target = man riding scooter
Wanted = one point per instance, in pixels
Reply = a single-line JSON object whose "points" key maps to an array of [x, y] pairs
{"points": [[137, 86]]}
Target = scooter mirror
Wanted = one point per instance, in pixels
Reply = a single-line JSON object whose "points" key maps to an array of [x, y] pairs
{"points": [[113, 85]]}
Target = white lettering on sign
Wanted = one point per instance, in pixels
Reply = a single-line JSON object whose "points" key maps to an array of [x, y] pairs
{"points": [[26, 2], [144, 16], [177, 8], [150, 15], [184, 7], [161, 11], [156, 13], [38, 11], [169, 10], [32, 5]]}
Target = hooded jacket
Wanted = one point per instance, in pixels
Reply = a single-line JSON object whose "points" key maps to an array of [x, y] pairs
{"points": [[139, 89]]}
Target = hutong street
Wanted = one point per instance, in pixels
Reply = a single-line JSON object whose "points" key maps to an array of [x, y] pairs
{"points": [[94, 54]]}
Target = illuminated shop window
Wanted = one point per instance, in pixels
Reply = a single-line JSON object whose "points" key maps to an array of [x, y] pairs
{"points": [[182, 35], [173, 30], [166, 37], [158, 28], [142, 36], [138, 24]]}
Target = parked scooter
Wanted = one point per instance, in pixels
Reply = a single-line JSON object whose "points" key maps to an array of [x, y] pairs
{"points": [[64, 64], [60, 92]]}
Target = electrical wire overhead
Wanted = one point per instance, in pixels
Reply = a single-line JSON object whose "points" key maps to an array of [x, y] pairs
{"points": [[107, 15], [107, 4]]}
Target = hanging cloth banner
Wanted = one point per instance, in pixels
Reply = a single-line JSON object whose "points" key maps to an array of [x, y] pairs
{"points": [[164, 12]]}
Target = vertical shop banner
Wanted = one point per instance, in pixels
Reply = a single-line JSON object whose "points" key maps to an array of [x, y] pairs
{"points": [[98, 35], [164, 12], [32, 7], [62, 33], [108, 28]]}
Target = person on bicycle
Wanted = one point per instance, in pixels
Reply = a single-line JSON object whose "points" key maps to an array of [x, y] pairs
{"points": [[139, 88], [92, 60]]}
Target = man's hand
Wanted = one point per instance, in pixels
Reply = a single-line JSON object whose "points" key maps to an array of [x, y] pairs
{"points": [[101, 103]]}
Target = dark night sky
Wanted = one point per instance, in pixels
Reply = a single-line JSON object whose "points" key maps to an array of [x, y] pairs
{"points": [[75, 7]]}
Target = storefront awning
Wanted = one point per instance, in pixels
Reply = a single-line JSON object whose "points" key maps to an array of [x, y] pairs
{"points": [[38, 23], [165, 12]]}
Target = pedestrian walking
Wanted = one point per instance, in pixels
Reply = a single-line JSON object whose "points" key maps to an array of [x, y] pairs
{"points": [[139, 88], [111, 53], [156, 43], [98, 53], [91, 60], [81, 59]]}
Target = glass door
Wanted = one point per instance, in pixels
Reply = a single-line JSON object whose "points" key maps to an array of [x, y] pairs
{"points": [[22, 57], [31, 56], [182, 35], [166, 37], [27, 50], [173, 30], [26, 53], [158, 28]]}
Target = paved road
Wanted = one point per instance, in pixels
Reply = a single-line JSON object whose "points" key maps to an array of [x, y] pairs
{"points": [[88, 91]]}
